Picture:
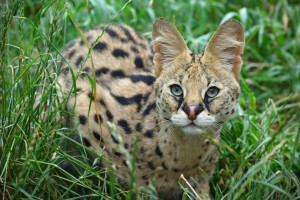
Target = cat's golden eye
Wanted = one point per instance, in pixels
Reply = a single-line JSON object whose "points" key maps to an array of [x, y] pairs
{"points": [[176, 90], [212, 92]]}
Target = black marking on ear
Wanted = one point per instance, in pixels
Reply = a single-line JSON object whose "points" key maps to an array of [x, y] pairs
{"points": [[149, 134], [109, 115], [134, 50], [101, 71], [118, 74], [70, 55], [119, 53], [151, 165], [149, 80], [138, 127], [123, 123], [111, 33], [96, 135], [96, 118], [82, 119], [78, 61], [86, 142], [128, 101], [158, 151], [138, 62], [149, 108]]}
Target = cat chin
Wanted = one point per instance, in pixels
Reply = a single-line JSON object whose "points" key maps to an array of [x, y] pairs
{"points": [[192, 130]]}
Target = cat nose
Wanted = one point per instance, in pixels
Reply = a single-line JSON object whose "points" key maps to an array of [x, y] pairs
{"points": [[192, 111]]}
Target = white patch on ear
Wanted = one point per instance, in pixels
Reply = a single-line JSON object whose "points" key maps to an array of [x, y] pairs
{"points": [[227, 45], [227, 42], [167, 44]]}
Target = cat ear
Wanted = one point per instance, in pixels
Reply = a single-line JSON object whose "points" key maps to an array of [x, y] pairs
{"points": [[226, 47], [168, 44]]}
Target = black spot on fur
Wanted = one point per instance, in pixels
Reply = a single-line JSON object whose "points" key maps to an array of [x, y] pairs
{"points": [[100, 46], [78, 61], [126, 146], [127, 33], [101, 71], [118, 154], [86, 142], [82, 119], [114, 139], [232, 111], [119, 53], [149, 80], [109, 115], [146, 97], [96, 118], [151, 165], [118, 74], [102, 103], [96, 135], [125, 126], [145, 177], [91, 96], [134, 50], [124, 40], [158, 151], [148, 109], [111, 33], [138, 63], [164, 166], [124, 163], [142, 45], [149, 134], [70, 55], [138, 127], [66, 70], [128, 101]]}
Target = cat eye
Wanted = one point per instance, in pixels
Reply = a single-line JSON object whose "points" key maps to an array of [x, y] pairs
{"points": [[176, 90], [212, 92]]}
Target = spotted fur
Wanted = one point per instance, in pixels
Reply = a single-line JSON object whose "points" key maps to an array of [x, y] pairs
{"points": [[137, 96]]}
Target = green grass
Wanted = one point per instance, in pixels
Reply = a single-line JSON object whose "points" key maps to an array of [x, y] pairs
{"points": [[259, 149]]}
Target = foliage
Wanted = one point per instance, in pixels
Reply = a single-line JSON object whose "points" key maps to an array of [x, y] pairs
{"points": [[259, 149]]}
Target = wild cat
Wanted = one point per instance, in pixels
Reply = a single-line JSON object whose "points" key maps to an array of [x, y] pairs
{"points": [[169, 102]]}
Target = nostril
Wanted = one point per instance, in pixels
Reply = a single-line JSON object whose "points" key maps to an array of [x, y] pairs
{"points": [[192, 111]]}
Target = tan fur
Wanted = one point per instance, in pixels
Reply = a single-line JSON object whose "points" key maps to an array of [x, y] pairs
{"points": [[169, 144]]}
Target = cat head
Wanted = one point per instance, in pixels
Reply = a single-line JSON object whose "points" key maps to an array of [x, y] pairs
{"points": [[197, 91]]}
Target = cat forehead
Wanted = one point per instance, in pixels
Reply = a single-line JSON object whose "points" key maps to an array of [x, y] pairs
{"points": [[193, 71]]}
